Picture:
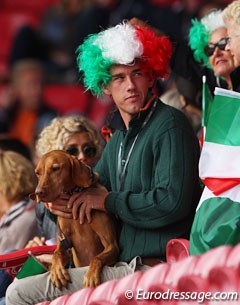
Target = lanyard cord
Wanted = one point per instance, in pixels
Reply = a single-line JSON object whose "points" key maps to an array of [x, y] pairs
{"points": [[122, 172]]}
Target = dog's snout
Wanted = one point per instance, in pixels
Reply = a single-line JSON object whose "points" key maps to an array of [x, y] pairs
{"points": [[41, 193]]}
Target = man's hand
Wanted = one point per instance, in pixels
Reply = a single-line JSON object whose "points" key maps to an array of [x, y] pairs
{"points": [[60, 207], [82, 203]]}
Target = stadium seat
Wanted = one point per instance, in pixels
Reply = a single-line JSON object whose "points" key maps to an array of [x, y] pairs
{"points": [[177, 249], [128, 282], [180, 268], [224, 279], [233, 259], [216, 257], [13, 261], [101, 303], [99, 111], [10, 23], [79, 297], [35, 7], [67, 99], [192, 283], [155, 275], [103, 291]]}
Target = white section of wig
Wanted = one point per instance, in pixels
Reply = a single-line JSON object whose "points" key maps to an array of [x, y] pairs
{"points": [[213, 21], [120, 44]]}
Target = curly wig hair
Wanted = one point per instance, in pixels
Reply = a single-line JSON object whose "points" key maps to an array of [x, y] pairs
{"points": [[199, 34], [121, 44], [61, 129], [17, 176]]}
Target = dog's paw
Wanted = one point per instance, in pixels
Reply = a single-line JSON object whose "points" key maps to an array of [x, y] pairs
{"points": [[60, 277], [91, 280]]}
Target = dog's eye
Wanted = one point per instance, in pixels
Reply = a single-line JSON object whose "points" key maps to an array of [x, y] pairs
{"points": [[55, 167]]}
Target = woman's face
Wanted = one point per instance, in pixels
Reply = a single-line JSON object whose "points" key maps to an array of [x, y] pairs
{"points": [[221, 60], [81, 146]]}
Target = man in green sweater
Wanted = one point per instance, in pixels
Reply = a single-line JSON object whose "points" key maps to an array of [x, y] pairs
{"points": [[149, 168]]}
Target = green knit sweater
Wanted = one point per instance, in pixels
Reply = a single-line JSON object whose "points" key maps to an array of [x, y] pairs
{"points": [[160, 190]]}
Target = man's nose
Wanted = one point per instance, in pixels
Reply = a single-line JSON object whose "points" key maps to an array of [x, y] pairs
{"points": [[130, 83]]}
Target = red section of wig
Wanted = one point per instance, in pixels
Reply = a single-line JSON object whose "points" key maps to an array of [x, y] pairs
{"points": [[157, 51]]}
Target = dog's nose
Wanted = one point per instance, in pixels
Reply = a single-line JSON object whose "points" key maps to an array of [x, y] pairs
{"points": [[41, 193]]}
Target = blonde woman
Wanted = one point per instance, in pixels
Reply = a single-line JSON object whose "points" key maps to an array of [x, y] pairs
{"points": [[17, 214], [76, 135]]}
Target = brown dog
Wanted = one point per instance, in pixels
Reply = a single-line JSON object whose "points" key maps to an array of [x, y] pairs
{"points": [[92, 244]]}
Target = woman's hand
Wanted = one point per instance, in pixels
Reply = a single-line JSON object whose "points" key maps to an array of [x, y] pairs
{"points": [[36, 241], [45, 259]]}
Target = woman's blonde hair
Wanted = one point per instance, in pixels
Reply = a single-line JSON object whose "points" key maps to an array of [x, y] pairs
{"points": [[232, 12], [59, 131], [17, 176]]}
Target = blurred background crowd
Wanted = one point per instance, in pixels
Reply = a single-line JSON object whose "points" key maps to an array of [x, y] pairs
{"points": [[38, 75]]}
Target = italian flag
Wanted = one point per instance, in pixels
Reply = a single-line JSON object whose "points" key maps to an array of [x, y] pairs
{"points": [[217, 219]]}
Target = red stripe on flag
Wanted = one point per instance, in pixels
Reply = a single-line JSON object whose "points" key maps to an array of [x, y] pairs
{"points": [[220, 185]]}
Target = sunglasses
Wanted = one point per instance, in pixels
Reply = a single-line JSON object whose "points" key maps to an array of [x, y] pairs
{"points": [[221, 44], [88, 151]]}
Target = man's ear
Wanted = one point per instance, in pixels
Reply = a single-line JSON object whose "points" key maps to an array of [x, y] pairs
{"points": [[105, 89]]}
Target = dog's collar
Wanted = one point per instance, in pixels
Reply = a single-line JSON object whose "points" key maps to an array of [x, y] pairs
{"points": [[76, 189], [65, 243]]}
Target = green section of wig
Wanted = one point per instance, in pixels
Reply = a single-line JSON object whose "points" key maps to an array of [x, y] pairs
{"points": [[95, 68], [199, 37]]}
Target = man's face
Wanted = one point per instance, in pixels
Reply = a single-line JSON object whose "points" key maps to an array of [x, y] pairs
{"points": [[129, 88], [234, 41]]}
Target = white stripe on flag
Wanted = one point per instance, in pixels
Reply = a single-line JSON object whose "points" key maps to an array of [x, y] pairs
{"points": [[233, 194], [219, 161]]}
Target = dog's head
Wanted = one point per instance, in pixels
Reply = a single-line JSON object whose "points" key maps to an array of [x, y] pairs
{"points": [[59, 172]]}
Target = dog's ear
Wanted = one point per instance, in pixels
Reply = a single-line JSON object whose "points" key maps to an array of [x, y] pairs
{"points": [[82, 174]]}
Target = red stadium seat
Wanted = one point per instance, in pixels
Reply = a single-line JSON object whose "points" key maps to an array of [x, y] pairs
{"points": [[67, 99], [10, 23], [35, 7], [233, 259], [154, 275], [180, 268], [128, 282], [79, 297], [103, 291], [99, 111], [216, 257], [192, 283], [14, 260], [224, 279], [177, 249]]}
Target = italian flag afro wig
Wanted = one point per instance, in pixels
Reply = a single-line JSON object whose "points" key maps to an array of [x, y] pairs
{"points": [[121, 44]]}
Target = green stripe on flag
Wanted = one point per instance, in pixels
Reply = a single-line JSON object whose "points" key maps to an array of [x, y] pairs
{"points": [[224, 121], [216, 223], [207, 100]]}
